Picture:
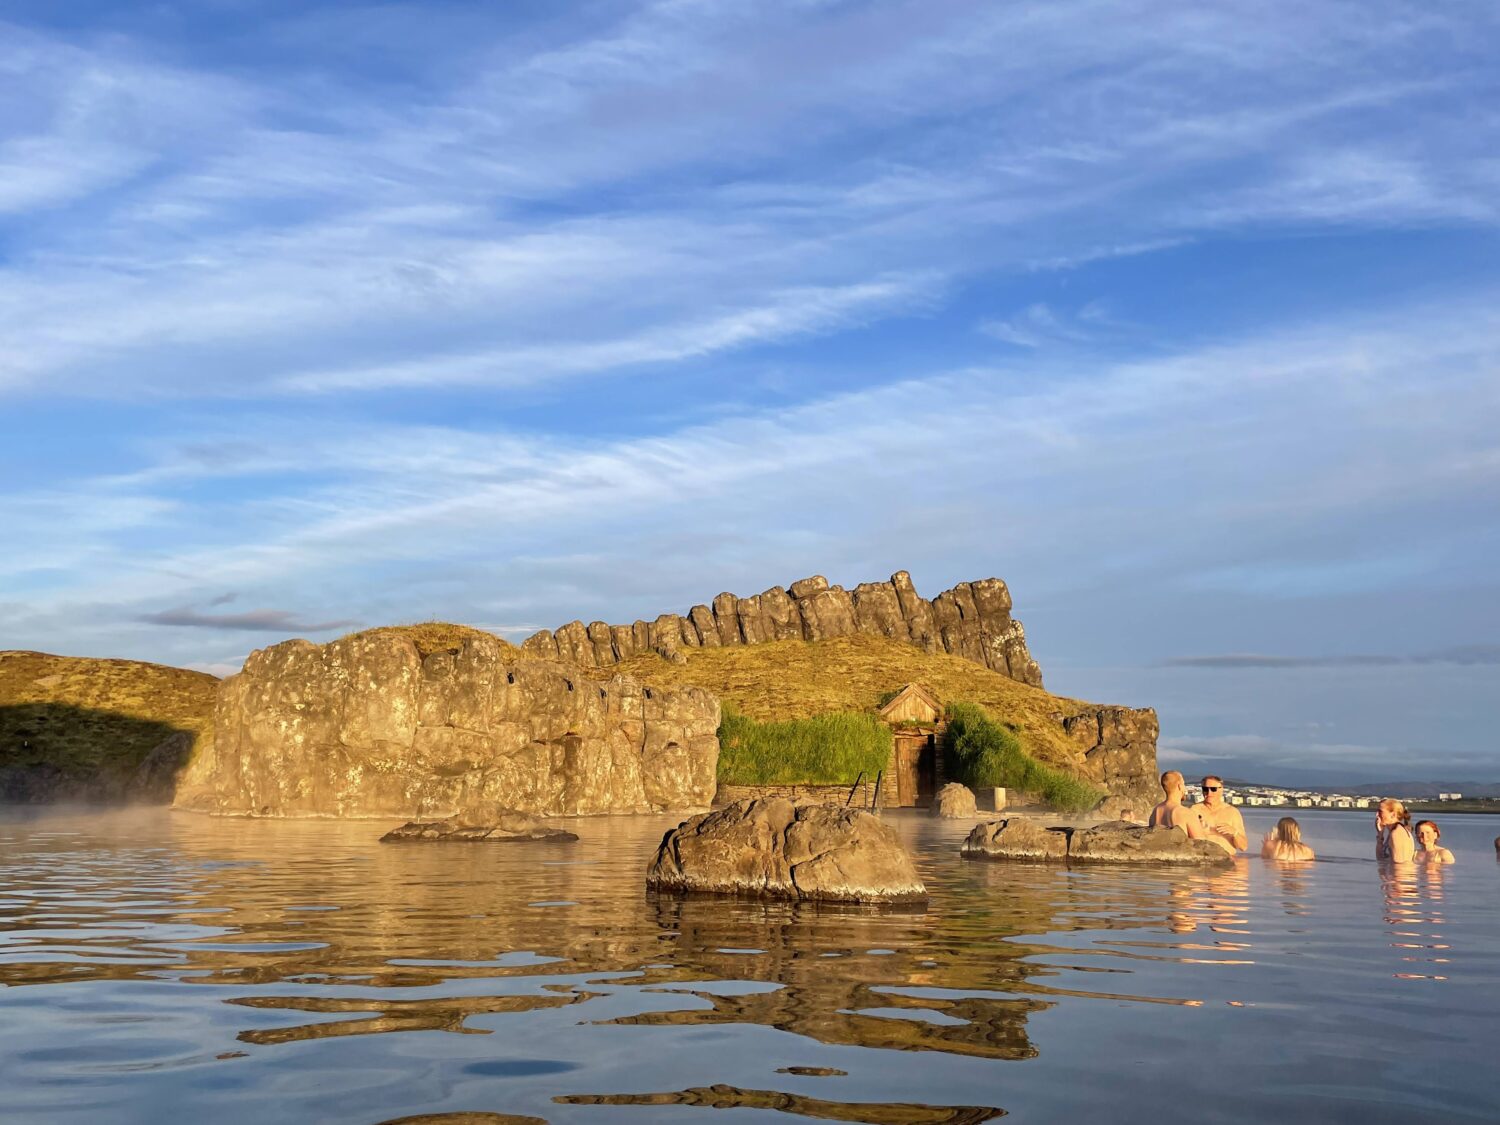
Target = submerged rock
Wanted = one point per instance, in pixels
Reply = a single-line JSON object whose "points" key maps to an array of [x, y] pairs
{"points": [[491, 826], [1116, 842], [771, 848], [955, 801]]}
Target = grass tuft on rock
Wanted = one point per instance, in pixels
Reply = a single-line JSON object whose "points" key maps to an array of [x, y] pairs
{"points": [[829, 749], [982, 753]]}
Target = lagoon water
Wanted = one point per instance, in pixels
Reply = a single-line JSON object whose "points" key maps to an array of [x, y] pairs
{"points": [[159, 967]]}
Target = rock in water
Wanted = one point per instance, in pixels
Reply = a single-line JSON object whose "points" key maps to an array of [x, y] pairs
{"points": [[490, 826], [1118, 842], [955, 801], [1014, 838], [771, 848]]}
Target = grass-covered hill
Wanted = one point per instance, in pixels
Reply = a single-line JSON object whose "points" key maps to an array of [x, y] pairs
{"points": [[798, 679], [80, 726]]}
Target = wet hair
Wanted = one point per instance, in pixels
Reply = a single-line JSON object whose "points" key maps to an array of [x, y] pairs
{"points": [[1288, 831], [1212, 777], [1391, 805], [1437, 833], [1171, 780]]}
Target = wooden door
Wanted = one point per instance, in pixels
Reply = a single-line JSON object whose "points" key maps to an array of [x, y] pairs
{"points": [[908, 769]]}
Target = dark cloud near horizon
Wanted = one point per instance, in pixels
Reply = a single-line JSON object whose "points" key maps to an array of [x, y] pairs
{"points": [[255, 620], [1461, 654]]}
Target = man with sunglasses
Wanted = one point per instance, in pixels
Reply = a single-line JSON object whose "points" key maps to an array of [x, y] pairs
{"points": [[1225, 825]]}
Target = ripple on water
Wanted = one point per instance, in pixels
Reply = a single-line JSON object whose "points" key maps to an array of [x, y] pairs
{"points": [[327, 952]]}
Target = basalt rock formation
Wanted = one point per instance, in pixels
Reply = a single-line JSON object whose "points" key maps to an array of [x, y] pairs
{"points": [[1118, 745], [772, 848], [369, 726], [972, 620]]}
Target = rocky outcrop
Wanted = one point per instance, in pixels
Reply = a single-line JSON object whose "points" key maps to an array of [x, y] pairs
{"points": [[494, 827], [972, 620], [368, 726], [955, 801], [772, 848], [1117, 842], [1117, 748]]}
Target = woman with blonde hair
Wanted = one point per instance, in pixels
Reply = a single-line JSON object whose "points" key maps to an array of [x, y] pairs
{"points": [[1432, 852], [1393, 839], [1284, 842]]}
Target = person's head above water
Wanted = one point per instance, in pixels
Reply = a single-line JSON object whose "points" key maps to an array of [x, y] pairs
{"points": [[1427, 833], [1391, 812], [1288, 831], [1213, 790], [1171, 782]]}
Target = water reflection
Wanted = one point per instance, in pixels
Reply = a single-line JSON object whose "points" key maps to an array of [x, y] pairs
{"points": [[309, 948], [730, 1097]]}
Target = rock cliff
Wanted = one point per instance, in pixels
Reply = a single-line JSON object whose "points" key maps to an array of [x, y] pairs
{"points": [[370, 726], [972, 620], [1118, 745]]}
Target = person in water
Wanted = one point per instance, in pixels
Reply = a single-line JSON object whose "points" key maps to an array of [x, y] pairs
{"points": [[1432, 852], [1226, 827], [1284, 842], [1393, 838], [1172, 813]]}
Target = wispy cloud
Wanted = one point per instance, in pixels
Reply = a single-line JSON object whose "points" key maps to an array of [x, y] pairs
{"points": [[1460, 654], [235, 236], [255, 620]]}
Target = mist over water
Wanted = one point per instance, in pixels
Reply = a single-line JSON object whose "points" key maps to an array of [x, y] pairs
{"points": [[159, 967]]}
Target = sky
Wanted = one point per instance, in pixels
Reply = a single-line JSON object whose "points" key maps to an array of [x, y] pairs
{"points": [[1182, 318]]}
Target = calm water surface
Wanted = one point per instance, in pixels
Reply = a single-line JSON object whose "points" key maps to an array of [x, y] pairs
{"points": [[157, 967]]}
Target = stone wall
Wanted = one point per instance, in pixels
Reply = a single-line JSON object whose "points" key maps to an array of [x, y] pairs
{"points": [[972, 620], [365, 726], [864, 794]]}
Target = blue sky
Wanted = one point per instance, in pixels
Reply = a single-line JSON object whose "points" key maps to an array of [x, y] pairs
{"points": [[1184, 319]]}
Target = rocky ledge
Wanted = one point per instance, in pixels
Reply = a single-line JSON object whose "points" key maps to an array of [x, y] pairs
{"points": [[1021, 839], [972, 620], [494, 826], [772, 848]]}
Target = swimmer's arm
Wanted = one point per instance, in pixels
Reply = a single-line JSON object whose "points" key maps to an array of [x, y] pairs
{"points": [[1238, 837]]}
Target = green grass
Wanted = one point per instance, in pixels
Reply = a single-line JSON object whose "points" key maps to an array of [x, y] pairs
{"points": [[827, 749], [982, 753]]}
